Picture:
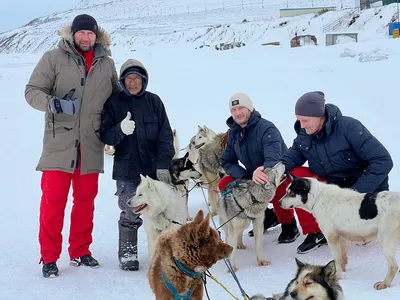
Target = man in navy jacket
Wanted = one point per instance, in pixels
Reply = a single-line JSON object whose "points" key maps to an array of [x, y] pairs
{"points": [[338, 149], [255, 142]]}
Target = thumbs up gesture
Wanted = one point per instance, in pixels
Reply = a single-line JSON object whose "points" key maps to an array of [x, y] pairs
{"points": [[127, 125]]}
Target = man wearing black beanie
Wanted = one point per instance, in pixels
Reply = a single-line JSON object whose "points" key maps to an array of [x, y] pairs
{"points": [[70, 84], [339, 150]]}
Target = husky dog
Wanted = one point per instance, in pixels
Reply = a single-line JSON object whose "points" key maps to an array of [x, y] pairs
{"points": [[210, 167], [182, 256], [181, 170], [311, 282], [346, 215], [161, 206], [204, 136], [243, 202]]}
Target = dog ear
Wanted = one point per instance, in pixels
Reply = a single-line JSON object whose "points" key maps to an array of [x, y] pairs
{"points": [[142, 177], [299, 263], [330, 270], [206, 128], [200, 128], [302, 185], [199, 217], [150, 182], [204, 227]]}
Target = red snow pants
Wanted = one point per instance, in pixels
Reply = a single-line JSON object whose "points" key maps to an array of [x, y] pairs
{"points": [[55, 187], [284, 216]]}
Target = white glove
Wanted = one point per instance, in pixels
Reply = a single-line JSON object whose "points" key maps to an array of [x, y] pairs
{"points": [[127, 125]]}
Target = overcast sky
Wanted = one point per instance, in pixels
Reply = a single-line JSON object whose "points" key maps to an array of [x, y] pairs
{"points": [[15, 13]]}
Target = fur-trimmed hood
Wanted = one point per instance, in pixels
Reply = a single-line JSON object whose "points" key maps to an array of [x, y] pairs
{"points": [[102, 38]]}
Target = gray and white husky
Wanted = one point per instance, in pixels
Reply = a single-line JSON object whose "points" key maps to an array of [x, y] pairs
{"points": [[243, 202], [311, 282], [210, 167]]}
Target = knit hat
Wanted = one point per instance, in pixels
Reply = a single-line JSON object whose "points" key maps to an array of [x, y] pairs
{"points": [[241, 99], [311, 104], [134, 70], [84, 22], [138, 71]]}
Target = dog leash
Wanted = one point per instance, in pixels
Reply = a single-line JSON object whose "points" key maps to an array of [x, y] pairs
{"points": [[227, 261], [208, 274]]}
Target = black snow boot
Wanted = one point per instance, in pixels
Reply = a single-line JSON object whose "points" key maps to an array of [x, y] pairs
{"points": [[85, 260], [50, 270], [270, 220], [289, 233], [127, 249]]}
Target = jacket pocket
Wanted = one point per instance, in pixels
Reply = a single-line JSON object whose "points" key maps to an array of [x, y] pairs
{"points": [[94, 135], [151, 126], [59, 136]]}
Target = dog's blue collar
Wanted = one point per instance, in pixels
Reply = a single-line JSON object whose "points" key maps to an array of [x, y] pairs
{"points": [[229, 191], [173, 290], [185, 270]]}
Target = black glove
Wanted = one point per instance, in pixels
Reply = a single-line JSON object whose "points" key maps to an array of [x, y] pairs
{"points": [[67, 104]]}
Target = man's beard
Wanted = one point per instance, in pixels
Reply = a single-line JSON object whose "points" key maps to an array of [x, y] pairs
{"points": [[87, 48]]}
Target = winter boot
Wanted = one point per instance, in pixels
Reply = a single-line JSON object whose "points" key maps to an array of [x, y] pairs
{"points": [[311, 242], [85, 260], [127, 251], [289, 232], [270, 220], [50, 270]]}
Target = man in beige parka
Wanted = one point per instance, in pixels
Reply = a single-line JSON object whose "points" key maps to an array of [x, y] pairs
{"points": [[70, 84]]}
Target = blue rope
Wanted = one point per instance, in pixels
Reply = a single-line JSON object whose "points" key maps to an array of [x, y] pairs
{"points": [[228, 263], [173, 290], [185, 270]]}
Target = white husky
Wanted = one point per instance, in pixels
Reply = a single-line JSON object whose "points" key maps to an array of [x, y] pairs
{"points": [[161, 205], [346, 215]]}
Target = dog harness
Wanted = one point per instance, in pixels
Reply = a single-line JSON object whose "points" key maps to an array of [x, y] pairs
{"points": [[231, 185], [172, 289]]}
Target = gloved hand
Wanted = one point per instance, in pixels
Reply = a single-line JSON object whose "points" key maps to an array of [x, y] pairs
{"points": [[163, 175], [127, 125], [67, 104]]}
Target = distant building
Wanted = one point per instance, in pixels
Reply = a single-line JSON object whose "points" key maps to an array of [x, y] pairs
{"points": [[367, 3], [292, 12], [387, 2]]}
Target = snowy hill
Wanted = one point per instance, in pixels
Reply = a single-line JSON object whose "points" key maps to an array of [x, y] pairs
{"points": [[136, 23]]}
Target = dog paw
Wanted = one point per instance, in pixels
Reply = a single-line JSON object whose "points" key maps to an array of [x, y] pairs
{"points": [[234, 269], [380, 285], [263, 263], [241, 246]]}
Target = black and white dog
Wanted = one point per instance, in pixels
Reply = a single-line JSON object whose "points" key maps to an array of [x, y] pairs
{"points": [[345, 215]]}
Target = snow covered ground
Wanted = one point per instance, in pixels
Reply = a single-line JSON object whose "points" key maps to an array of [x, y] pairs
{"points": [[195, 85]]}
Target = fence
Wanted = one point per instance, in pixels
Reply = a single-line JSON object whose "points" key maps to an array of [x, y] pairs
{"points": [[144, 9]]}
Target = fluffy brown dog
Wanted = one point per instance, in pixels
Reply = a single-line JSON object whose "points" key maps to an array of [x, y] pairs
{"points": [[181, 258]]}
